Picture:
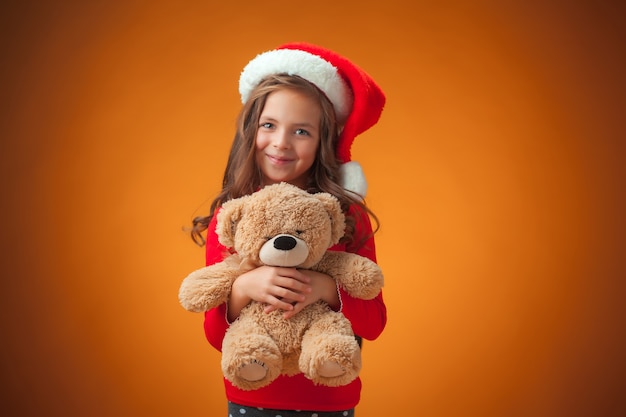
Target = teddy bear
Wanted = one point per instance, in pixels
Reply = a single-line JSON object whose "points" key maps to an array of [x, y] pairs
{"points": [[283, 225]]}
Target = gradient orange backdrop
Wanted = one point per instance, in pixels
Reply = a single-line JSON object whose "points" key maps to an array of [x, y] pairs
{"points": [[496, 170]]}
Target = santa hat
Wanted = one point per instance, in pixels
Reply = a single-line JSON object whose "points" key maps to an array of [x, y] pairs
{"points": [[357, 99]]}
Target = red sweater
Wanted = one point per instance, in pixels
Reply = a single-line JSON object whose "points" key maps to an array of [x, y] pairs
{"points": [[368, 320]]}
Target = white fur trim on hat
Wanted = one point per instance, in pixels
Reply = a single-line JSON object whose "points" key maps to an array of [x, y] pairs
{"points": [[353, 178], [304, 64]]}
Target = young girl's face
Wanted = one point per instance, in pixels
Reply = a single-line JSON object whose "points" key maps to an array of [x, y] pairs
{"points": [[288, 137]]}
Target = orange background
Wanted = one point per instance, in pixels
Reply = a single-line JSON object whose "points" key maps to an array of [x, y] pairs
{"points": [[496, 170]]}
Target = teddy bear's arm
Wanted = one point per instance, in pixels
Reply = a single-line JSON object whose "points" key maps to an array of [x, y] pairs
{"points": [[358, 275], [208, 287]]}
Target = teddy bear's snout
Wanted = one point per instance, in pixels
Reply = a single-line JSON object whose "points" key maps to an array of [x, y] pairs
{"points": [[284, 250]]}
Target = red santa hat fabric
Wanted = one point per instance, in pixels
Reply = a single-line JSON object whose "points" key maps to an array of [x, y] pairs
{"points": [[357, 99]]}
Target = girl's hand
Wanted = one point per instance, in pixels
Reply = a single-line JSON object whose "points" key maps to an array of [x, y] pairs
{"points": [[277, 287], [322, 287]]}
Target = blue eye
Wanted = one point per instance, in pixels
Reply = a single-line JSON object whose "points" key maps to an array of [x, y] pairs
{"points": [[302, 132], [267, 125]]}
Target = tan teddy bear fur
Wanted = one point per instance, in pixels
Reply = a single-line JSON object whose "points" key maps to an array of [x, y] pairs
{"points": [[282, 225]]}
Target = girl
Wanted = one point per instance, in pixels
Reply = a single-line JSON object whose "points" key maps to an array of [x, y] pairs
{"points": [[302, 107]]}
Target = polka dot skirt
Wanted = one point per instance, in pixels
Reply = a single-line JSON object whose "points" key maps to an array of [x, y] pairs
{"points": [[236, 410]]}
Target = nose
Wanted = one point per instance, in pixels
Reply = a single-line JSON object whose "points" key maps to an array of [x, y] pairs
{"points": [[285, 243], [281, 139]]}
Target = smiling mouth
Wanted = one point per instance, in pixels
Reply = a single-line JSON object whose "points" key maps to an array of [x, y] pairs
{"points": [[278, 159]]}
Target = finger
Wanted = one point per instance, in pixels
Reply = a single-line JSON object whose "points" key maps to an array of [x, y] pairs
{"points": [[295, 310], [277, 304], [294, 274], [291, 291], [270, 308], [288, 299], [292, 286]]}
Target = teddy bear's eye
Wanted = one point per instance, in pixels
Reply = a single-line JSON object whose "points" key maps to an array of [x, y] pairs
{"points": [[299, 232]]}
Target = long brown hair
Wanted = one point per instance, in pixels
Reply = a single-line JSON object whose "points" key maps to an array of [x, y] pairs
{"points": [[242, 175]]}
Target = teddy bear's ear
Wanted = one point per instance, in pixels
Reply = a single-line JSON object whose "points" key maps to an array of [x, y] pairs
{"points": [[227, 219], [337, 218]]}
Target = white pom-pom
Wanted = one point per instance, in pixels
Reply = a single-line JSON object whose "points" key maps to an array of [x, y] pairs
{"points": [[353, 178]]}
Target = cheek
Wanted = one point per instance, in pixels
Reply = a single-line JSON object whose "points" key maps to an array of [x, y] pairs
{"points": [[309, 150], [260, 142]]}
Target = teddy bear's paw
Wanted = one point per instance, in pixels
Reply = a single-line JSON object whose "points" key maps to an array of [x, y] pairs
{"points": [[331, 360], [331, 369], [254, 371]]}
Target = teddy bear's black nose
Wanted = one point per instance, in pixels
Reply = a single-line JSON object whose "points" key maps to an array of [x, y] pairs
{"points": [[285, 243]]}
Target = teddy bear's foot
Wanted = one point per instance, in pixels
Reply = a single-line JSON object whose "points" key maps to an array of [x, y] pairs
{"points": [[250, 359], [249, 373], [331, 360], [254, 371]]}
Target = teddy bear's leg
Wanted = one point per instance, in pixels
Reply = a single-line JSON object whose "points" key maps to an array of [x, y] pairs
{"points": [[330, 353], [250, 358]]}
